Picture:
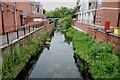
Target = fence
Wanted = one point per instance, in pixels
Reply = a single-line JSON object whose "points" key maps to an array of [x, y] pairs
{"points": [[21, 32]]}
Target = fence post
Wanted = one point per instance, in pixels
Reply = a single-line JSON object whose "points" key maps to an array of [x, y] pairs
{"points": [[24, 30], [17, 34], [7, 38], [36, 26], [29, 29], [33, 27]]}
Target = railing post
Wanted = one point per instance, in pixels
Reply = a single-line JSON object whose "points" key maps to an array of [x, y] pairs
{"points": [[7, 38], [33, 27], [29, 29], [40, 25], [24, 30], [17, 34], [36, 26]]}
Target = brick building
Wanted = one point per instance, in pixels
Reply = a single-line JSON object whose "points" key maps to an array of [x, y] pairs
{"points": [[16, 14], [92, 16], [97, 12]]}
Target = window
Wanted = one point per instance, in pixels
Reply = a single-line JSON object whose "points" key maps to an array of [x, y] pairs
{"points": [[99, 4]]}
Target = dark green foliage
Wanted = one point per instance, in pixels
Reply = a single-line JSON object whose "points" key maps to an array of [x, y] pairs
{"points": [[102, 61], [66, 22], [65, 14], [15, 60], [60, 12]]}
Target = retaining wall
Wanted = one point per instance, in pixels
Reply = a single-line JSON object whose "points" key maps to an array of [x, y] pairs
{"points": [[100, 36]]}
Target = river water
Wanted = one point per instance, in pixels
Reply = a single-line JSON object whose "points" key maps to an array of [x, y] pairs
{"points": [[57, 62]]}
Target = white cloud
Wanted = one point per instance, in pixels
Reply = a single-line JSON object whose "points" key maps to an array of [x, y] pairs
{"points": [[52, 5]]}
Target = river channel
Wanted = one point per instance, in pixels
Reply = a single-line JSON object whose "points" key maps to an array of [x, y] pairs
{"points": [[56, 62]]}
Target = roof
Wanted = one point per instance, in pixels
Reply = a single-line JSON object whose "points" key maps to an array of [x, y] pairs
{"points": [[37, 16], [35, 3]]}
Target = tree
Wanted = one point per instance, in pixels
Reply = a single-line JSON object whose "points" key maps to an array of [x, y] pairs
{"points": [[44, 11]]}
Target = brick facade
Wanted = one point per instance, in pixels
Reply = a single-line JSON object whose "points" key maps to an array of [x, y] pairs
{"points": [[99, 12], [100, 36], [15, 14], [92, 14]]}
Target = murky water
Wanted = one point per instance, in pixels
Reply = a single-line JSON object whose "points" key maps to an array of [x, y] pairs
{"points": [[58, 62]]}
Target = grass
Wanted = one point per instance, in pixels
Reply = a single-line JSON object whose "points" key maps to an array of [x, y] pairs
{"points": [[15, 60], [0, 67], [102, 60]]}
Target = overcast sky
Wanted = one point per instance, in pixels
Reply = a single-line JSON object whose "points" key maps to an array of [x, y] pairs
{"points": [[52, 4]]}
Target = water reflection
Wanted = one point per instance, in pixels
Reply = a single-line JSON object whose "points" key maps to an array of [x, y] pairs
{"points": [[56, 61]]}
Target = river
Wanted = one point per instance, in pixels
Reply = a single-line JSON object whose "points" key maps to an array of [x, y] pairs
{"points": [[57, 62]]}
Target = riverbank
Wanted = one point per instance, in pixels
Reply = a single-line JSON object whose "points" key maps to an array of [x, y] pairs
{"points": [[0, 67], [102, 61], [15, 60]]}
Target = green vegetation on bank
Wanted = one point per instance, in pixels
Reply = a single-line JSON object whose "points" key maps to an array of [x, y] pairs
{"points": [[65, 22], [15, 60], [0, 67], [60, 12], [65, 14], [102, 60]]}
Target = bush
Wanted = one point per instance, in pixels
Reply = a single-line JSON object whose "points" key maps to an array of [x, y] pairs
{"points": [[15, 60], [102, 61]]}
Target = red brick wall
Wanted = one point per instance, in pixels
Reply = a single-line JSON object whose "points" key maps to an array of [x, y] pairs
{"points": [[99, 18], [107, 15], [18, 13], [111, 16], [25, 6], [8, 17], [9, 21], [115, 41], [111, 4]]}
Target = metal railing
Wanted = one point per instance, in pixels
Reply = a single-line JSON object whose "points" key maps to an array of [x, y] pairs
{"points": [[21, 32]]}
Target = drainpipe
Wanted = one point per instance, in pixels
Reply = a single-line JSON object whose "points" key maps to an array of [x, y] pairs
{"points": [[95, 12], [95, 17], [1, 9], [118, 23]]}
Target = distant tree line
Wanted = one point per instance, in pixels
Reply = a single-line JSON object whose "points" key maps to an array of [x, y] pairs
{"points": [[60, 12], [65, 14]]}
